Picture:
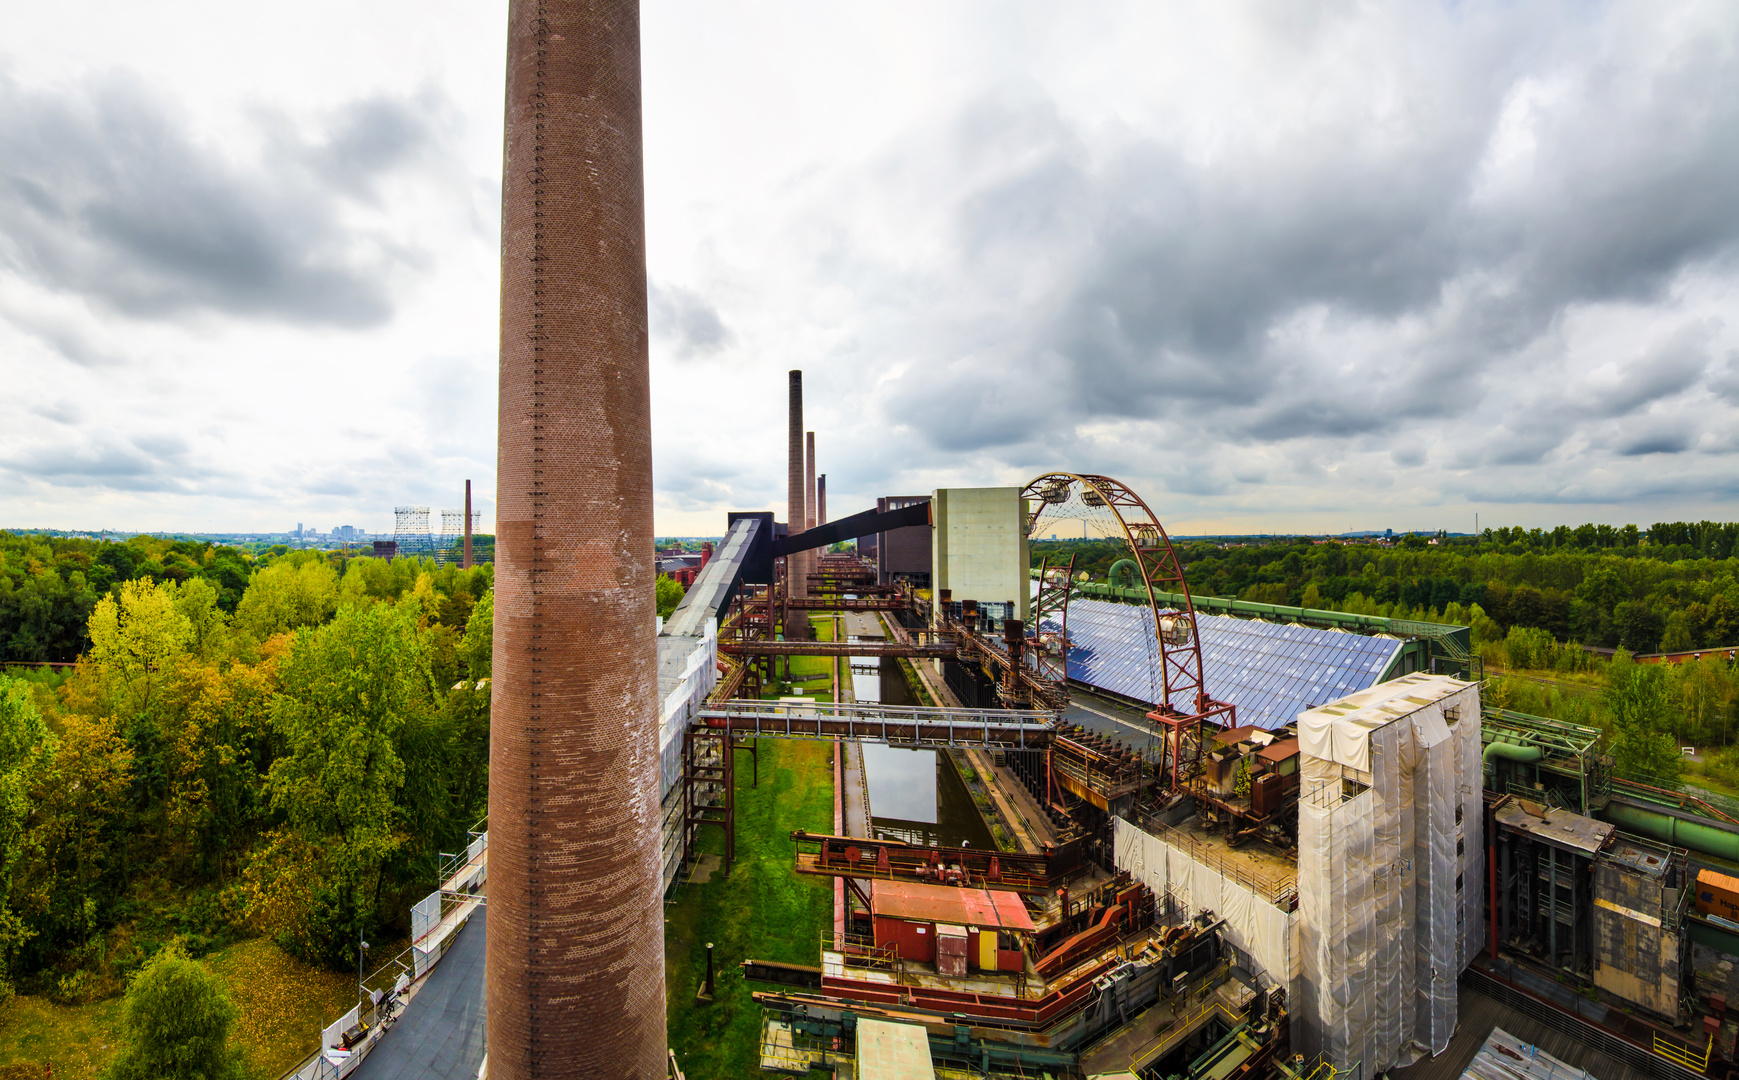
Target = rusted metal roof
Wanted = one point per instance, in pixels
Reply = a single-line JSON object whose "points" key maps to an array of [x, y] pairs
{"points": [[1279, 751], [1559, 827], [917, 902], [1236, 735]]}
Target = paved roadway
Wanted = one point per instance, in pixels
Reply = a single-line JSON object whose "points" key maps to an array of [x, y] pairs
{"points": [[441, 1032]]}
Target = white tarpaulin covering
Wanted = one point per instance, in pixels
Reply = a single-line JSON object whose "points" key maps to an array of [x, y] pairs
{"points": [[1267, 934], [1390, 858], [333, 1035], [425, 914]]}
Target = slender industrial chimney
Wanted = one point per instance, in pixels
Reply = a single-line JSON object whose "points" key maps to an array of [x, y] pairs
{"points": [[821, 499], [809, 482], [796, 572], [575, 969], [466, 564]]}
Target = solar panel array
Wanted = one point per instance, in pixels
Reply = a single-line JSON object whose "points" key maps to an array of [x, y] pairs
{"points": [[1270, 671]]}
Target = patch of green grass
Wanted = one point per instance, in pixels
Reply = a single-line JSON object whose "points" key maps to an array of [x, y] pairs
{"points": [[78, 1040], [812, 665], [764, 910], [282, 1005]]}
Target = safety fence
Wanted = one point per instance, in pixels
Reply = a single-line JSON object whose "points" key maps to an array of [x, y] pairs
{"points": [[435, 923]]}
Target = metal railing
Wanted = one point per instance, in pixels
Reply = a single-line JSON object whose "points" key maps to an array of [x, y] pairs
{"points": [[855, 950], [1278, 889], [376, 1014], [1682, 1056]]}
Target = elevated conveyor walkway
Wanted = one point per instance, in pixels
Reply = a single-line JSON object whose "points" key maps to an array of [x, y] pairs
{"points": [[900, 725]]}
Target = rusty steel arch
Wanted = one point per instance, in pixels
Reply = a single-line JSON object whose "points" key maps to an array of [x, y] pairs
{"points": [[1122, 515]]}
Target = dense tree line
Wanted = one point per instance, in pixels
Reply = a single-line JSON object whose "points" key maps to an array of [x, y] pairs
{"points": [[1533, 598], [288, 759], [1671, 587]]}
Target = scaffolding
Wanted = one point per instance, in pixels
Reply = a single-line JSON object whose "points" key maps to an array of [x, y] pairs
{"points": [[411, 531], [1388, 843], [453, 532]]}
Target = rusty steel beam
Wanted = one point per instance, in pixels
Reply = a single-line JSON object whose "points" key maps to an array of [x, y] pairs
{"points": [[575, 957]]}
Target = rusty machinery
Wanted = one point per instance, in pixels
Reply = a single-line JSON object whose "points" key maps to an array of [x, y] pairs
{"points": [[1110, 509]]}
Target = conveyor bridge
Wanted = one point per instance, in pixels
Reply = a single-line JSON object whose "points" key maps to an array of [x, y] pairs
{"points": [[900, 725]]}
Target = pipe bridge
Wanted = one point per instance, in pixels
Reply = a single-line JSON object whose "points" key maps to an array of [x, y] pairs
{"points": [[903, 725]]}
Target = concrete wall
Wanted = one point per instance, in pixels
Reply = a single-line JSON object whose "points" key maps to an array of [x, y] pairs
{"points": [[979, 546]]}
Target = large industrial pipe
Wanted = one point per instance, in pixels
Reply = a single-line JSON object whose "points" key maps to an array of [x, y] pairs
{"points": [[1703, 835], [575, 968], [1509, 752]]}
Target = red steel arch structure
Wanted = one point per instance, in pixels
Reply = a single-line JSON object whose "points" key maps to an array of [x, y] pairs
{"points": [[1113, 510]]}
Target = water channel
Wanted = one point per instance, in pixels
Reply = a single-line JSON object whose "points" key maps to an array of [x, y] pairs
{"points": [[915, 795]]}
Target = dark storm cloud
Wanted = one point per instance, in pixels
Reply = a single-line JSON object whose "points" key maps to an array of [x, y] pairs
{"points": [[1234, 295], [369, 138], [1658, 442], [687, 319], [1724, 379], [106, 193]]}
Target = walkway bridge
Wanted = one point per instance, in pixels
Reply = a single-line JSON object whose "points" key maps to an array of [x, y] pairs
{"points": [[709, 742], [899, 725]]}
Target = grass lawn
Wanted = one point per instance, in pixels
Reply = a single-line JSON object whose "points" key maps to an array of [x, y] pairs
{"points": [[812, 665], [763, 910], [282, 1002], [78, 1040]]}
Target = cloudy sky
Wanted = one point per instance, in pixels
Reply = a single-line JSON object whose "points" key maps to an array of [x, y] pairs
{"points": [[1279, 266]]}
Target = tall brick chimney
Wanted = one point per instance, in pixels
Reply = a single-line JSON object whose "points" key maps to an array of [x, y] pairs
{"points": [[809, 482], [821, 499], [796, 572], [575, 968]]}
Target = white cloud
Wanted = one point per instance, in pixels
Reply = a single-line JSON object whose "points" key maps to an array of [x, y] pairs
{"points": [[1277, 266]]}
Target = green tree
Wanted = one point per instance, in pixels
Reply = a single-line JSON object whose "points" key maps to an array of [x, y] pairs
{"points": [[136, 635], [198, 602], [670, 594], [1530, 647], [1641, 740], [176, 1022], [25, 747], [478, 645], [349, 690], [293, 592]]}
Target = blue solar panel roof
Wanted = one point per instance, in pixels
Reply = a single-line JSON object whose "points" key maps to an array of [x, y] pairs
{"points": [[1270, 671]]}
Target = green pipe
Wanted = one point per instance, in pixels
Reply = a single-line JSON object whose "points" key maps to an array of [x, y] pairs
{"points": [[1511, 752], [1704, 836], [1124, 564]]}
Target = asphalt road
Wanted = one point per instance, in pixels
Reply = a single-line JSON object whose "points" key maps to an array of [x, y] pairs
{"points": [[441, 1033]]}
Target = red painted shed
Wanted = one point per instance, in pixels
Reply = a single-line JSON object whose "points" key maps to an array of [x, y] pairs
{"points": [[907, 914]]}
